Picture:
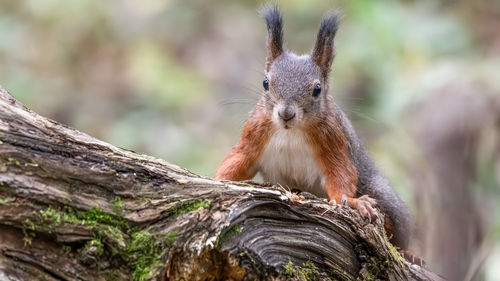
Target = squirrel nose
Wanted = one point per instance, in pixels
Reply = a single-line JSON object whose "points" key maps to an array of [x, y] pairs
{"points": [[286, 114]]}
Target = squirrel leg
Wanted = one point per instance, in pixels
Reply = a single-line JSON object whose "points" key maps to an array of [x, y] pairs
{"points": [[237, 166]]}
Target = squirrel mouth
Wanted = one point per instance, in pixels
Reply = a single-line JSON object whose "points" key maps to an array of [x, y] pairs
{"points": [[287, 125]]}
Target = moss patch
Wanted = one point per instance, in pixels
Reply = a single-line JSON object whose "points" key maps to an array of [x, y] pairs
{"points": [[118, 205], [93, 247], [92, 217], [226, 235], [190, 205], [376, 270], [170, 237], [394, 250], [139, 250], [112, 276], [4, 201], [96, 215], [28, 236], [66, 249], [51, 218], [115, 235], [144, 199], [143, 254], [288, 268], [395, 253], [13, 161], [307, 270]]}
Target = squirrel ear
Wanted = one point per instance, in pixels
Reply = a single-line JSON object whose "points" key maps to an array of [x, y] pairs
{"points": [[324, 52], [274, 23]]}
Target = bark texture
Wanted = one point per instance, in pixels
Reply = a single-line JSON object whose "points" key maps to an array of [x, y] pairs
{"points": [[76, 208]]}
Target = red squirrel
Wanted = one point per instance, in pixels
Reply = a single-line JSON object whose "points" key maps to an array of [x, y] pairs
{"points": [[296, 136]]}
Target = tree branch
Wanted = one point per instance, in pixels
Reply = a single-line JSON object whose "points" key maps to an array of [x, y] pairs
{"points": [[75, 208]]}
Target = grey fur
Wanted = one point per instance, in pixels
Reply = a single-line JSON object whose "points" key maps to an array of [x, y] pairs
{"points": [[323, 51], [372, 183], [291, 82], [292, 79], [274, 23]]}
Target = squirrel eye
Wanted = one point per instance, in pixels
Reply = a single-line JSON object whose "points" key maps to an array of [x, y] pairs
{"points": [[317, 90], [266, 84]]}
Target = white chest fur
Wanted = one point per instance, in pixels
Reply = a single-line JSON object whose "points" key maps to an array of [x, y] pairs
{"points": [[288, 160]]}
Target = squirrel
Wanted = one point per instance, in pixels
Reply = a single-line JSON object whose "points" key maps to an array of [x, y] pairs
{"points": [[296, 135]]}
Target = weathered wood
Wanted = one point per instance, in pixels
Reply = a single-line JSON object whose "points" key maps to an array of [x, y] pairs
{"points": [[76, 208]]}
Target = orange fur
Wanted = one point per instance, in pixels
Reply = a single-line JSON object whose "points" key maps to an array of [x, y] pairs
{"points": [[332, 155], [239, 164]]}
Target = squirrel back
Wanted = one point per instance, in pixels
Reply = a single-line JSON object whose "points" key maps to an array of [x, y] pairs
{"points": [[298, 137]]}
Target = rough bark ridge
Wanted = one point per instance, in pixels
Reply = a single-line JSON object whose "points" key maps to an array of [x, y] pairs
{"points": [[75, 208]]}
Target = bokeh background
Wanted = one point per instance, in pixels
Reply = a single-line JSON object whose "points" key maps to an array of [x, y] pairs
{"points": [[175, 79]]}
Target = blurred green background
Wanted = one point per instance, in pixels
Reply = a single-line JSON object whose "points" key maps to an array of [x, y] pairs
{"points": [[175, 79]]}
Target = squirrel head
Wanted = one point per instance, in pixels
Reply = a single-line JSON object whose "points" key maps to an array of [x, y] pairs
{"points": [[296, 87]]}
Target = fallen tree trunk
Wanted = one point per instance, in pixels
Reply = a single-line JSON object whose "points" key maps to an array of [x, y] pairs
{"points": [[75, 208]]}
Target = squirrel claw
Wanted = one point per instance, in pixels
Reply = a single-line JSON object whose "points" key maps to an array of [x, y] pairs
{"points": [[366, 207], [370, 200], [344, 200], [368, 217], [295, 198], [411, 258], [332, 202], [378, 218]]}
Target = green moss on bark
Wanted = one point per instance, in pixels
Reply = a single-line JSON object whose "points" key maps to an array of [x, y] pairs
{"points": [[189, 206]]}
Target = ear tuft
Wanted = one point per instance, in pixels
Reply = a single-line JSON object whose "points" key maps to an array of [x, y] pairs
{"points": [[323, 52], [329, 26], [274, 23]]}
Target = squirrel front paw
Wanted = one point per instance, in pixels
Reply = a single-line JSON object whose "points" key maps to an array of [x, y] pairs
{"points": [[295, 198], [365, 205]]}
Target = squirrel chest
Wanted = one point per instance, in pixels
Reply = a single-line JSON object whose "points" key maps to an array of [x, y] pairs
{"points": [[289, 160]]}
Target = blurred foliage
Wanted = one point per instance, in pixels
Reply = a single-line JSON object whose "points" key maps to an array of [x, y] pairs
{"points": [[175, 79]]}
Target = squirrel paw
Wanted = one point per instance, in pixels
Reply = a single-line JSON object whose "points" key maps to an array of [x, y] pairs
{"points": [[294, 197], [412, 258], [365, 206]]}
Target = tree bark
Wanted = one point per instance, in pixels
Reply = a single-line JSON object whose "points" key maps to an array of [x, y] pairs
{"points": [[75, 208]]}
